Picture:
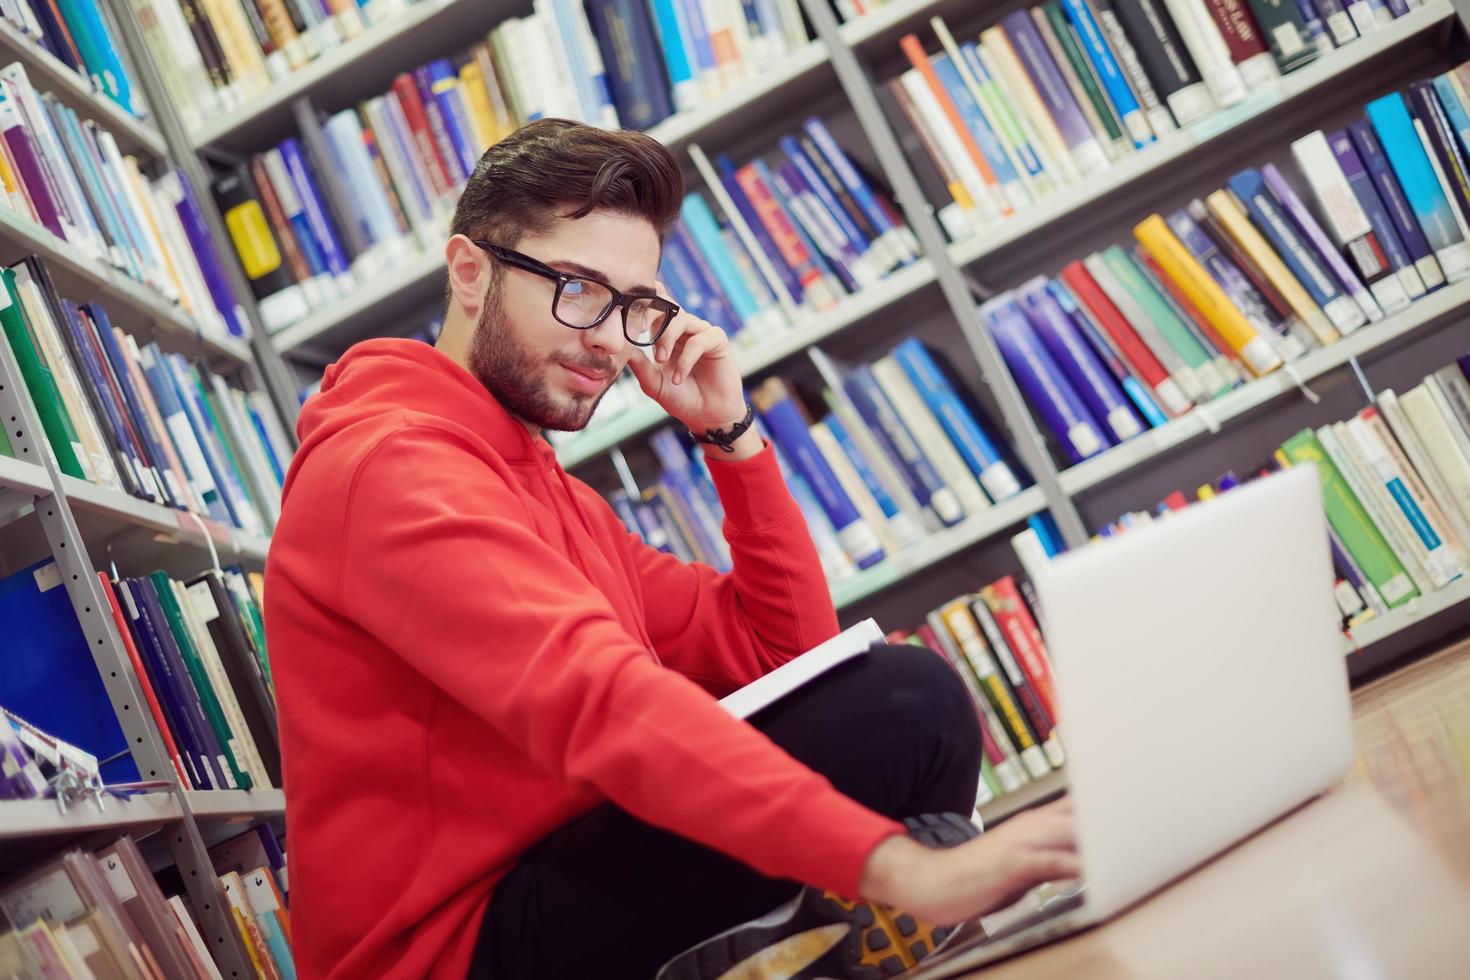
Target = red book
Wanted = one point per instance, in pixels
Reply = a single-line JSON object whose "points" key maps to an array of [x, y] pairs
{"points": [[991, 750], [423, 137], [144, 682], [1130, 345], [788, 242], [295, 261], [1196, 316], [1238, 28], [1014, 619], [1176, 501]]}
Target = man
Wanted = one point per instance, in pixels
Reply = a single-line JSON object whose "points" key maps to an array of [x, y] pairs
{"points": [[503, 752]]}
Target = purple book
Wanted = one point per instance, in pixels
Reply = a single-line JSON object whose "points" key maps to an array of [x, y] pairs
{"points": [[1242, 292], [192, 218], [1399, 212], [819, 227], [1044, 384], [1078, 361], [1033, 55], [438, 127], [1384, 233], [28, 167], [311, 203], [1305, 221]]}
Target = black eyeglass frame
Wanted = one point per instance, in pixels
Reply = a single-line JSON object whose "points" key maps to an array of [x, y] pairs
{"points": [[620, 300]]}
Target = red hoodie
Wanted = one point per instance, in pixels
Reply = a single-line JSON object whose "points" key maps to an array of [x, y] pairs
{"points": [[470, 650]]}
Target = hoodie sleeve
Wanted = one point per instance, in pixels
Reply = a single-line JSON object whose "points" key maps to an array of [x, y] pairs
{"points": [[442, 572], [774, 604]]}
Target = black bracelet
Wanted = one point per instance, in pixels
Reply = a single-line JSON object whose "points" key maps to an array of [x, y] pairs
{"points": [[724, 438]]}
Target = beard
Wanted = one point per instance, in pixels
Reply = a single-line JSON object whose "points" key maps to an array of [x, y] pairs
{"points": [[516, 376]]}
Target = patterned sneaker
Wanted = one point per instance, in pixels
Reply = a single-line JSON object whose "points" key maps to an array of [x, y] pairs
{"points": [[819, 935]]}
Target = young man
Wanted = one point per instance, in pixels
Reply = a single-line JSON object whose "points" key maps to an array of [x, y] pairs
{"points": [[504, 755]]}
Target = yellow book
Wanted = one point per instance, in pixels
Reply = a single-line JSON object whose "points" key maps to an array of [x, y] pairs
{"points": [[1230, 214], [145, 199], [500, 108], [247, 65], [1205, 492], [472, 78], [1154, 234]]}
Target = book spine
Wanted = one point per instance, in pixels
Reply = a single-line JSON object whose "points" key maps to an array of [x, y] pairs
{"points": [[898, 237], [790, 248], [1114, 82], [1032, 53], [1168, 324], [1109, 354], [624, 31], [1211, 55], [1181, 372], [1078, 363], [961, 622], [431, 161], [868, 266], [1156, 114], [1069, 49], [1243, 39], [1017, 144], [1036, 714], [1281, 21], [996, 744], [824, 238], [1039, 377], [1441, 554], [312, 208], [783, 276], [917, 418], [1394, 128], [881, 418], [700, 220], [1165, 59], [1391, 192], [1444, 150], [973, 443]]}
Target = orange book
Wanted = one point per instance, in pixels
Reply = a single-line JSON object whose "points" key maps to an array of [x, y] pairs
{"points": [[920, 60]]}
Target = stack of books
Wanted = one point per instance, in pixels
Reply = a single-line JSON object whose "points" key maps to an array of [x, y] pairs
{"points": [[992, 641], [896, 455], [130, 417], [625, 63], [1396, 486], [1055, 95], [66, 174], [78, 34], [103, 914], [1250, 278], [198, 650]]}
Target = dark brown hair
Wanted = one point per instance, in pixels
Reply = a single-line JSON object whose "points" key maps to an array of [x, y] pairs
{"points": [[558, 168]]}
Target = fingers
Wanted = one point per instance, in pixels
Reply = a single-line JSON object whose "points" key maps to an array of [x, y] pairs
{"points": [[650, 376], [684, 325], [695, 347]]}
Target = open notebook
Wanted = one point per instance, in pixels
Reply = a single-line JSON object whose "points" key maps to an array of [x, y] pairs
{"points": [[851, 642]]}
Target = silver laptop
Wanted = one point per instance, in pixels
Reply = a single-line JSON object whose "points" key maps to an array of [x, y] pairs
{"points": [[1202, 693]]}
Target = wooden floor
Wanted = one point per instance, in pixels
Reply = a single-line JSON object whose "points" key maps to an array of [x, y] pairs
{"points": [[1413, 736]]}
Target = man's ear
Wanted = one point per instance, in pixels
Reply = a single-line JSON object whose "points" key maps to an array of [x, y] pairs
{"points": [[469, 275]]}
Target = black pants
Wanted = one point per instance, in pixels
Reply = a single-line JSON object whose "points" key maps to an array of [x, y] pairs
{"points": [[609, 896]]}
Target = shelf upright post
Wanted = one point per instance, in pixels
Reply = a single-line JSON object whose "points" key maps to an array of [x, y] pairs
{"points": [[94, 614], [852, 74], [279, 384]]}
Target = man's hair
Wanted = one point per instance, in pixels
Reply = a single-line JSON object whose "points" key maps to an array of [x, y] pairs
{"points": [[555, 168]]}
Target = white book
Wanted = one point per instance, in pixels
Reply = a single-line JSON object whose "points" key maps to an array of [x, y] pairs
{"points": [[1444, 188], [259, 479], [930, 437], [1422, 462], [1385, 514], [55, 164], [852, 484], [200, 303], [1448, 448], [344, 132], [243, 742], [995, 48], [854, 641], [413, 196], [1422, 524], [196, 941], [792, 27], [1345, 218], [949, 143], [1202, 38], [1184, 377]]}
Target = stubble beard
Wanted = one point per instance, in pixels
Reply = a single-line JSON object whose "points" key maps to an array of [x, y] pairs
{"points": [[516, 378]]}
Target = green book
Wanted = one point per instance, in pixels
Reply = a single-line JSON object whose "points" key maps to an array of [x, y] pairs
{"points": [[1067, 41], [990, 779], [1174, 331], [39, 381], [254, 624], [195, 666], [1355, 529]]}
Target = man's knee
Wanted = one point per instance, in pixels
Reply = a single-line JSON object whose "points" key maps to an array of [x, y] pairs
{"points": [[915, 685]]}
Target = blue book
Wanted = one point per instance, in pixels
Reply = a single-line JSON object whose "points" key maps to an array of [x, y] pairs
{"points": [[443, 83], [1316, 29], [700, 221], [1459, 119], [972, 442], [824, 535], [50, 678], [719, 303], [975, 120], [186, 205], [660, 509], [89, 363], [191, 457], [315, 211], [98, 50], [1114, 83], [1047, 533], [640, 90], [831, 250], [1400, 141], [857, 186], [1272, 220], [648, 526], [888, 428], [622, 505], [786, 423], [803, 164], [1078, 362], [94, 193], [860, 464], [588, 98], [783, 200], [1037, 375], [1384, 230], [705, 66], [1025, 152], [680, 477], [192, 400], [758, 230], [673, 39], [1397, 205], [693, 290], [1137, 392]]}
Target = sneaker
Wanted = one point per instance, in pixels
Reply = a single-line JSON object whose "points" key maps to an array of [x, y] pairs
{"points": [[821, 935]]}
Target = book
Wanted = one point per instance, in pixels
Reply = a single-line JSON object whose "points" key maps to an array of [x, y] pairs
{"points": [[1421, 188], [852, 642], [1165, 59]]}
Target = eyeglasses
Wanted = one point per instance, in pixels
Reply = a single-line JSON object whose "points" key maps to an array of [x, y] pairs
{"points": [[582, 303]]}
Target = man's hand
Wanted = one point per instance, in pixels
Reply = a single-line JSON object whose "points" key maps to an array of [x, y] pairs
{"points": [[693, 376], [977, 877]]}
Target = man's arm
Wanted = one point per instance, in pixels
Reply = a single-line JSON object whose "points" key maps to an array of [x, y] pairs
{"points": [[727, 630], [449, 577]]}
